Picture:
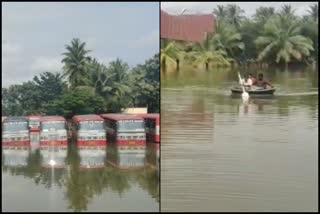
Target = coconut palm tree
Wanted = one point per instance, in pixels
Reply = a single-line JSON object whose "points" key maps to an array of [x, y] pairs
{"points": [[227, 39], [288, 11], [169, 52], [76, 63], [220, 12], [120, 85], [205, 52], [282, 38], [313, 11], [100, 78], [235, 14], [263, 14]]}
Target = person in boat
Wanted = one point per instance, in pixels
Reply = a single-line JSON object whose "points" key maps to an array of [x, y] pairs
{"points": [[253, 79], [247, 82], [261, 83]]}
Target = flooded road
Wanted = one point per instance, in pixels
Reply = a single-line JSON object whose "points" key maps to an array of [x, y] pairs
{"points": [[220, 154], [61, 178]]}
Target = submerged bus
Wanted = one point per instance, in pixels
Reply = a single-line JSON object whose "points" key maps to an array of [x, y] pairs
{"points": [[53, 131], [125, 130], [15, 132], [53, 156], [152, 126], [34, 123], [92, 157], [127, 158], [15, 156], [89, 130]]}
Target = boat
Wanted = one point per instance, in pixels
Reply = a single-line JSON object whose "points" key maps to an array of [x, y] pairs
{"points": [[255, 91]]}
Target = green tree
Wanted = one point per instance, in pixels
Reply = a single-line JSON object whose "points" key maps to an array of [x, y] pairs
{"points": [[76, 63], [263, 14], [287, 11], [76, 101], [220, 12], [120, 87], [281, 40], [169, 52], [21, 99], [50, 87], [313, 12], [235, 14], [206, 52], [227, 39], [144, 81]]}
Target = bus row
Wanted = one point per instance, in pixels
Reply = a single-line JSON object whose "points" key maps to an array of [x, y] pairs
{"points": [[95, 157], [88, 130]]}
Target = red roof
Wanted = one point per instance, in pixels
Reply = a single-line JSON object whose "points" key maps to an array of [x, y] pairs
{"points": [[192, 28], [87, 117], [121, 116], [34, 117], [52, 118]]}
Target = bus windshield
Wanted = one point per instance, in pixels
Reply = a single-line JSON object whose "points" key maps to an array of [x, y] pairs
{"points": [[53, 125], [130, 125], [91, 125], [15, 126]]}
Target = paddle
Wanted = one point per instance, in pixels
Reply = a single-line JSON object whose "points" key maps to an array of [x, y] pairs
{"points": [[245, 94]]}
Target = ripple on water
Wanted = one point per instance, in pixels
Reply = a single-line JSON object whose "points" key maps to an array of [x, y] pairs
{"points": [[220, 155]]}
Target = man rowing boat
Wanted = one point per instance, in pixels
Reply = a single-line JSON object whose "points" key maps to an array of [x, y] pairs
{"points": [[262, 83]]}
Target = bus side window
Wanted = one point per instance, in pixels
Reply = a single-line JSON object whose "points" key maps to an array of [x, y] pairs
{"points": [[114, 125]]}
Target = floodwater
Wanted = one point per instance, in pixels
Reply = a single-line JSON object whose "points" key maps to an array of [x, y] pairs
{"points": [[98, 180], [221, 154]]}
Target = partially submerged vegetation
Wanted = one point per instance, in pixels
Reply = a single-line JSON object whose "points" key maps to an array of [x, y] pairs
{"points": [[270, 37], [85, 86]]}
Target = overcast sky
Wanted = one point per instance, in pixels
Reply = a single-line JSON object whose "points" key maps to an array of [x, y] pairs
{"points": [[249, 7], [34, 35]]}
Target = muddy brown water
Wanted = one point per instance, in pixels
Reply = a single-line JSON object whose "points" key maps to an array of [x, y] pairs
{"points": [[221, 154]]}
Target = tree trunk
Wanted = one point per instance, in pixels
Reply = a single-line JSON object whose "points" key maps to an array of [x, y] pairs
{"points": [[164, 65], [178, 64]]}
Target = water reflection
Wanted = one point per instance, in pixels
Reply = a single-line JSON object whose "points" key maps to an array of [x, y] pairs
{"points": [[53, 156], [81, 175], [92, 156], [219, 153], [15, 156], [126, 157]]}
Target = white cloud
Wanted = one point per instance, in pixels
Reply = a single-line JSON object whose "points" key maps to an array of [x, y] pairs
{"points": [[47, 64], [10, 49]]}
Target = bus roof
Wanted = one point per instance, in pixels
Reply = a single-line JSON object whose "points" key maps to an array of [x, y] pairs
{"points": [[15, 119], [150, 115], [34, 117], [52, 118], [87, 117], [121, 116]]}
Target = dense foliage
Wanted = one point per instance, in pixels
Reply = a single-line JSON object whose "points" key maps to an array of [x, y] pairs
{"points": [[269, 36], [85, 86]]}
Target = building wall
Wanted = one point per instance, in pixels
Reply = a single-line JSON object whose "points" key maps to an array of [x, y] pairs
{"points": [[135, 110]]}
